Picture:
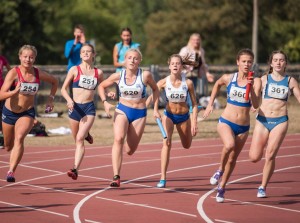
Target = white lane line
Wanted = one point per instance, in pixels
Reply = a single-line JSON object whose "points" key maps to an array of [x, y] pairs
{"points": [[166, 189], [52, 189], [218, 220], [35, 209], [263, 205], [80, 203], [148, 206], [203, 197], [92, 221]]}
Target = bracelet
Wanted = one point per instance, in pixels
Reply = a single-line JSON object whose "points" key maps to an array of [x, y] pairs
{"points": [[51, 96], [104, 100]]}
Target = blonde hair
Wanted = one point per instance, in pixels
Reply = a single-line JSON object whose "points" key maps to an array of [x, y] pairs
{"points": [[189, 45], [28, 47], [134, 50]]}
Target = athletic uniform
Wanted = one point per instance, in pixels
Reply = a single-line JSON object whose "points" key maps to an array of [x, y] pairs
{"points": [[176, 95], [236, 96], [278, 90], [88, 83], [27, 88], [131, 92]]}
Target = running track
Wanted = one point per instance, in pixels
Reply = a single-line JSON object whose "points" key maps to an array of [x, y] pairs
{"points": [[44, 193]]}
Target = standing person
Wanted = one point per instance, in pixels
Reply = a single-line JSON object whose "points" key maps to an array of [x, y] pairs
{"points": [[177, 114], [83, 79], [121, 48], [194, 54], [234, 123], [131, 112], [272, 119], [3, 63], [73, 46], [18, 111]]}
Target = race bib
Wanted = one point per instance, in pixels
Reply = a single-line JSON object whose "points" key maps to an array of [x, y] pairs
{"points": [[278, 91], [87, 82], [130, 93], [177, 96], [29, 88], [237, 94]]}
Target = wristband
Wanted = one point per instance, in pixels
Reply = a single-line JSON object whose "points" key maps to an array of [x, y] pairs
{"points": [[51, 96], [104, 101]]}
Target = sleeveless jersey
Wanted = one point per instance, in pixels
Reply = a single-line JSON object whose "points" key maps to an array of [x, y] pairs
{"points": [[174, 94], [277, 89], [84, 81], [236, 94], [28, 88], [135, 91]]}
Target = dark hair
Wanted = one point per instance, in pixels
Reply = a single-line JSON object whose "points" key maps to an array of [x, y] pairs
{"points": [[270, 70], [245, 51], [79, 26], [126, 29]]}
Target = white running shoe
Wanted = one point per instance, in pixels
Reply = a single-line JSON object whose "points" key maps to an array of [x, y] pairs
{"points": [[261, 192], [216, 177], [220, 195]]}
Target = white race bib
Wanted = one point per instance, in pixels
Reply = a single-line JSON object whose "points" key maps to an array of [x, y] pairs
{"points": [[87, 82], [237, 94], [130, 93], [29, 88], [278, 91], [177, 96]]}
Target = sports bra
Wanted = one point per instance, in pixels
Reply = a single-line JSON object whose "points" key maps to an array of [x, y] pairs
{"points": [[85, 81], [28, 88], [277, 89], [236, 94], [174, 94], [137, 90]]}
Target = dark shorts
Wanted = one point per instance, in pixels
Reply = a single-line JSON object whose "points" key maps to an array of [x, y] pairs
{"points": [[237, 129], [271, 123], [176, 119], [132, 114], [11, 118], [81, 110]]}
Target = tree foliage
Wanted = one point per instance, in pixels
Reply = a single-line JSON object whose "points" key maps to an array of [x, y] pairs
{"points": [[161, 26]]}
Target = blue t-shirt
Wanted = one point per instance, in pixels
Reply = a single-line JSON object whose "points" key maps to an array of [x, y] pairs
{"points": [[122, 50], [72, 53]]}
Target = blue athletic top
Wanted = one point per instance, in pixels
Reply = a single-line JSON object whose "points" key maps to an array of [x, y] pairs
{"points": [[84, 81], [236, 94], [72, 53], [277, 89], [122, 50], [137, 90]]}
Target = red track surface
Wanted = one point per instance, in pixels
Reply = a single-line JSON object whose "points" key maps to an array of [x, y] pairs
{"points": [[44, 193]]}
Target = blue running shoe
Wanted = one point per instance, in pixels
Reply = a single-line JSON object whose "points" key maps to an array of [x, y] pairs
{"points": [[162, 184], [216, 177], [10, 177], [261, 192], [220, 195]]}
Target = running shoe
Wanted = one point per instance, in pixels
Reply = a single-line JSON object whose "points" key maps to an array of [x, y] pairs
{"points": [[220, 195], [216, 177], [73, 173], [261, 192], [162, 184], [89, 138], [10, 177], [116, 181]]}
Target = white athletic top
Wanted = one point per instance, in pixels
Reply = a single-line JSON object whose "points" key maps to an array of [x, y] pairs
{"points": [[174, 94]]}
